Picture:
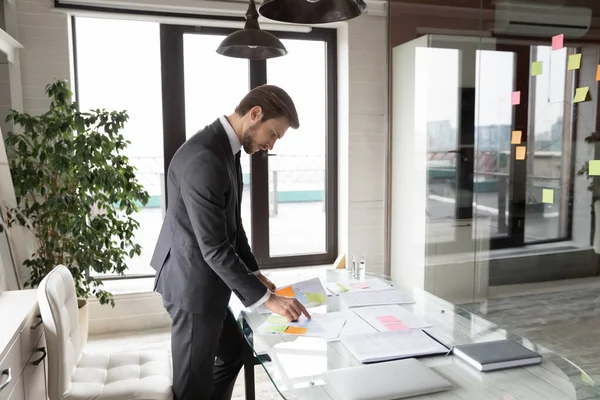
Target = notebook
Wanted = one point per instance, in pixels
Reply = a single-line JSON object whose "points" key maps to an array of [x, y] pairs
{"points": [[392, 345], [500, 354], [384, 381]]}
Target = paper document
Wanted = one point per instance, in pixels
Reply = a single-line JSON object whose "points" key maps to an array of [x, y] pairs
{"points": [[375, 298], [327, 326], [391, 318], [355, 325], [369, 284], [384, 346], [310, 293]]}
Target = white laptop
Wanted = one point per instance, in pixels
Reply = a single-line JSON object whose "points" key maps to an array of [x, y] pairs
{"points": [[385, 381]]}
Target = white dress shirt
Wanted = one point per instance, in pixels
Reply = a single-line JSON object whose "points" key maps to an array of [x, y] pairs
{"points": [[236, 147]]}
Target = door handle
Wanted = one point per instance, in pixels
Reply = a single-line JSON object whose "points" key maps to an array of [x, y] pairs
{"points": [[39, 360]]}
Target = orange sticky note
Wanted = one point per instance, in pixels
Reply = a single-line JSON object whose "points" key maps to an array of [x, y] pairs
{"points": [[287, 291], [598, 73], [516, 137], [292, 330], [521, 151]]}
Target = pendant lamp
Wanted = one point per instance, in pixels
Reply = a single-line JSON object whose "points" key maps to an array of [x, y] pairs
{"points": [[312, 11], [251, 42]]}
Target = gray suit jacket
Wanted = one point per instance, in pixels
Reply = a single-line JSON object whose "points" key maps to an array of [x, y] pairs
{"points": [[202, 253]]}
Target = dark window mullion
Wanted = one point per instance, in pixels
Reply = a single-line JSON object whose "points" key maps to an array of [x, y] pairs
{"points": [[259, 172]]}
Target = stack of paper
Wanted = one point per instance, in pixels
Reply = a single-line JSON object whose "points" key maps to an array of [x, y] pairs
{"points": [[369, 284], [385, 346], [310, 293], [375, 298], [391, 318], [327, 326]]}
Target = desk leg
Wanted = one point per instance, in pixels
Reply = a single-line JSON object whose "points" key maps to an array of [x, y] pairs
{"points": [[249, 364]]}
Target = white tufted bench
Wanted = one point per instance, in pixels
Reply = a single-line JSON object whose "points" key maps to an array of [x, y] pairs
{"points": [[74, 375]]}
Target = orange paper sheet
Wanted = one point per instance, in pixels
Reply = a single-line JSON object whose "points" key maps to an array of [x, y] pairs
{"points": [[287, 291], [292, 330], [598, 73], [521, 151]]}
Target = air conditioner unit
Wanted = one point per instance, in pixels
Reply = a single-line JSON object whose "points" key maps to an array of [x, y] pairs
{"points": [[544, 21]]}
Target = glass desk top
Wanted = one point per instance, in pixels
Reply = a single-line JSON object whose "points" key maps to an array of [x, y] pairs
{"points": [[296, 364]]}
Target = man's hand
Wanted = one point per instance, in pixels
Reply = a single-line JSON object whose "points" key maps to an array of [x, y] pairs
{"points": [[270, 285], [289, 307]]}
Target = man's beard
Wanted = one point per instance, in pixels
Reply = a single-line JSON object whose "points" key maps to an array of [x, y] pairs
{"points": [[248, 142]]}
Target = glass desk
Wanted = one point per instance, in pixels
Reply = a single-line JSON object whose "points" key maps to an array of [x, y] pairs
{"points": [[296, 364]]}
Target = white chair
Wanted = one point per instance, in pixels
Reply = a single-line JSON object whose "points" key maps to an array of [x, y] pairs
{"points": [[74, 375]]}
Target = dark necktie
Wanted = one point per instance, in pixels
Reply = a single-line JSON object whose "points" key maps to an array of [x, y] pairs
{"points": [[238, 173]]}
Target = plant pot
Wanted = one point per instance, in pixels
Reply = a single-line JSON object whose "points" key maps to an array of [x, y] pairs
{"points": [[83, 306]]}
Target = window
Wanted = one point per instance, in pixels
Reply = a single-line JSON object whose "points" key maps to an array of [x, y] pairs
{"points": [[289, 197], [128, 78], [173, 83]]}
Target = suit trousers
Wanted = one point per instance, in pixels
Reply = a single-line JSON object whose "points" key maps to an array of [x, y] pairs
{"points": [[207, 352]]}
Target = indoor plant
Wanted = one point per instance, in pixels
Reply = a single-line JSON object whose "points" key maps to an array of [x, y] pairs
{"points": [[75, 190]]}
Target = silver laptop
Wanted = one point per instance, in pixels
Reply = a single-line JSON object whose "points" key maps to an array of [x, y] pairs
{"points": [[385, 381]]}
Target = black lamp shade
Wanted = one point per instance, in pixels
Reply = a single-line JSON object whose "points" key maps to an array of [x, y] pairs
{"points": [[311, 11], [252, 44]]}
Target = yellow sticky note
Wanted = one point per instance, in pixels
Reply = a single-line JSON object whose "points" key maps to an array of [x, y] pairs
{"points": [[536, 68], [275, 328], [521, 151], [516, 137], [315, 298], [594, 168], [292, 330], [548, 196], [287, 291], [277, 320], [582, 94], [574, 62]]}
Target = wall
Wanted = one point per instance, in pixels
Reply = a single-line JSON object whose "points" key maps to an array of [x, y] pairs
{"points": [[368, 108]]}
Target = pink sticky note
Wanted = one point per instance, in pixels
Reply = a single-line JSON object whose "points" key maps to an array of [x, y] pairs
{"points": [[388, 319], [397, 327], [515, 98], [558, 42], [360, 286]]}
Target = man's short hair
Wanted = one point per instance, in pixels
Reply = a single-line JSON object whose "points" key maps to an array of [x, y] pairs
{"points": [[273, 100]]}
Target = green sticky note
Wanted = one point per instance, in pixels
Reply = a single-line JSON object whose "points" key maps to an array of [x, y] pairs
{"points": [[342, 287], [536, 68], [276, 328], [548, 196], [316, 298], [574, 62], [582, 94], [594, 168], [277, 320]]}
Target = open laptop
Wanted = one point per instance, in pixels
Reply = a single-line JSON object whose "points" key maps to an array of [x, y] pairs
{"points": [[385, 381]]}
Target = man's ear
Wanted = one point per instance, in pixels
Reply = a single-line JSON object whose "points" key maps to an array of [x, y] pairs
{"points": [[256, 113]]}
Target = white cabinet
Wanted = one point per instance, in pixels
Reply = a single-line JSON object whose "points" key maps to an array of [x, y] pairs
{"points": [[23, 366]]}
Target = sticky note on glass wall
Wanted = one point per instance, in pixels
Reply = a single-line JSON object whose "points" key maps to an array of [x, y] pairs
{"points": [[582, 94], [574, 62], [516, 137], [558, 42], [536, 68], [594, 168], [598, 73], [548, 196], [520, 152], [515, 98]]}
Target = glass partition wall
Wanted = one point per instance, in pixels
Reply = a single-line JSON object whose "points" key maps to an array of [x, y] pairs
{"points": [[493, 116]]}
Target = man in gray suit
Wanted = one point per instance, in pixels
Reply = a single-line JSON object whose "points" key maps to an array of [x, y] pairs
{"points": [[202, 253]]}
